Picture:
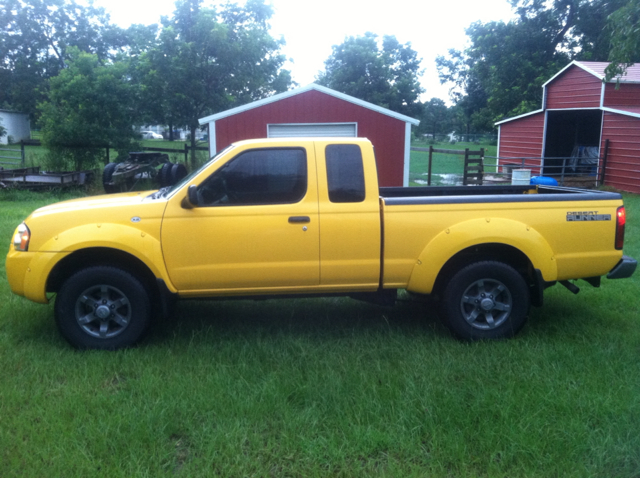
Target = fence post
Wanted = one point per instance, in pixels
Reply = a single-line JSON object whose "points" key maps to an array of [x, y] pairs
{"points": [[429, 168], [604, 159], [22, 156], [107, 160], [464, 172], [186, 153], [564, 164]]}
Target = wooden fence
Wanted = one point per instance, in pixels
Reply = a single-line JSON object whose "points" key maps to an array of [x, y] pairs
{"points": [[473, 163]]}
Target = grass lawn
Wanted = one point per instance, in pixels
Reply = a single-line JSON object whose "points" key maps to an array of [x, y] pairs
{"points": [[325, 387]]}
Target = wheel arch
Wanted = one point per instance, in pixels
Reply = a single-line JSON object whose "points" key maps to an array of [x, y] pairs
{"points": [[504, 240], [100, 256], [498, 252]]}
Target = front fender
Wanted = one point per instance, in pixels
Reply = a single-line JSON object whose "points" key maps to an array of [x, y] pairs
{"points": [[139, 243], [475, 232]]}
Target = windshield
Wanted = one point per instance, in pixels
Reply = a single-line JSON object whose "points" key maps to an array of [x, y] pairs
{"points": [[170, 190]]}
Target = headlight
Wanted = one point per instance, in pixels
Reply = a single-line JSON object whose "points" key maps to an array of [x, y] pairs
{"points": [[21, 238]]}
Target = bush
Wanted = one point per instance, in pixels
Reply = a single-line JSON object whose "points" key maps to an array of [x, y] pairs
{"points": [[73, 159], [89, 107]]}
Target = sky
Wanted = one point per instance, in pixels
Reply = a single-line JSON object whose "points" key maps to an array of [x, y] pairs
{"points": [[310, 29]]}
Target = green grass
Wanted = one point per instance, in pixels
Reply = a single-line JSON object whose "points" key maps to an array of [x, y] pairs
{"points": [[325, 387]]}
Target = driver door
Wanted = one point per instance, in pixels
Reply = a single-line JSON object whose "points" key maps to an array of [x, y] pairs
{"points": [[255, 229]]}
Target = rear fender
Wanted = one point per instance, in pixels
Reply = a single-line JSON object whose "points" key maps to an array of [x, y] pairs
{"points": [[466, 234]]}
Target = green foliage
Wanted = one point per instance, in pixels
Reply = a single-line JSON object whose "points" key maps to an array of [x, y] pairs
{"points": [[435, 118], [383, 72], [90, 105], [207, 60], [35, 41], [3, 130], [625, 39], [500, 75]]}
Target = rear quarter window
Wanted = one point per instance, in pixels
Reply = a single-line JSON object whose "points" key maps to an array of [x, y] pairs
{"points": [[345, 173]]}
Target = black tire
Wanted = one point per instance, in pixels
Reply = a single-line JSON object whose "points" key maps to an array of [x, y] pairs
{"points": [[178, 171], [104, 308], [164, 175], [485, 300], [107, 175]]}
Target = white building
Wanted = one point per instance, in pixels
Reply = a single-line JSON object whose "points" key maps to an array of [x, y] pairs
{"points": [[16, 124]]}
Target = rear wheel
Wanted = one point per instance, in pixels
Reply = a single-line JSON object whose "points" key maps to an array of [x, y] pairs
{"points": [[102, 308], [178, 171], [486, 300]]}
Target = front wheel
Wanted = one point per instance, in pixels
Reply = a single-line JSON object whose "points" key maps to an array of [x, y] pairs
{"points": [[486, 300], [102, 308]]}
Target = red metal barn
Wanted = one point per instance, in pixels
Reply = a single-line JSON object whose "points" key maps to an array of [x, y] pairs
{"points": [[318, 111], [580, 110]]}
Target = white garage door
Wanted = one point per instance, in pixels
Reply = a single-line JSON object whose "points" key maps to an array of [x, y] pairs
{"points": [[312, 129]]}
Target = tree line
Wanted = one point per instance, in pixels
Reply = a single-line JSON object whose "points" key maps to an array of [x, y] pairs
{"points": [[502, 71], [86, 81]]}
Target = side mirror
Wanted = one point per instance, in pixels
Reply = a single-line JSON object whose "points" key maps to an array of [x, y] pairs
{"points": [[191, 200]]}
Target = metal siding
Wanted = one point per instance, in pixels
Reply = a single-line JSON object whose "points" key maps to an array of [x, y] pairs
{"points": [[627, 94], [575, 88], [386, 133], [522, 138], [623, 162]]}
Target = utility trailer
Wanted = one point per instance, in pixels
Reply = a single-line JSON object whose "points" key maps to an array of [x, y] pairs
{"points": [[122, 176], [33, 178]]}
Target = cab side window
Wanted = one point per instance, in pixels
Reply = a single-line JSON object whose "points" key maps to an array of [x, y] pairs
{"points": [[345, 173], [258, 177]]}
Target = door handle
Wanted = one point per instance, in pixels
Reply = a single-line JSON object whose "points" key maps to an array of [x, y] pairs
{"points": [[299, 219]]}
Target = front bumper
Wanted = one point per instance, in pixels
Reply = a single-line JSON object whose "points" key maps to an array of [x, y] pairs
{"points": [[623, 269], [27, 272]]}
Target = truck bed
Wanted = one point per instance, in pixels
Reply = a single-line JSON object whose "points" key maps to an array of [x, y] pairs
{"points": [[397, 196]]}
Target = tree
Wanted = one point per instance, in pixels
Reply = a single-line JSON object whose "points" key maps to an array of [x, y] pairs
{"points": [[434, 117], [383, 72], [35, 37], [209, 60], [507, 63], [624, 25], [89, 105], [504, 68]]}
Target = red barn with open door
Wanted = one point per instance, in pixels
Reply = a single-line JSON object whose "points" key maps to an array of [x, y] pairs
{"points": [[580, 110]]}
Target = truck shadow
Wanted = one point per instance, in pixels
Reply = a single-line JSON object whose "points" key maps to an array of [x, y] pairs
{"points": [[322, 317]]}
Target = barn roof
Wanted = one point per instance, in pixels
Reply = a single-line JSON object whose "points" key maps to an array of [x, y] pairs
{"points": [[518, 117], [304, 89], [624, 110], [596, 68]]}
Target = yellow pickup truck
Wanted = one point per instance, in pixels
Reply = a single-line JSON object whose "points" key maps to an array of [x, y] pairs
{"points": [[302, 217]]}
